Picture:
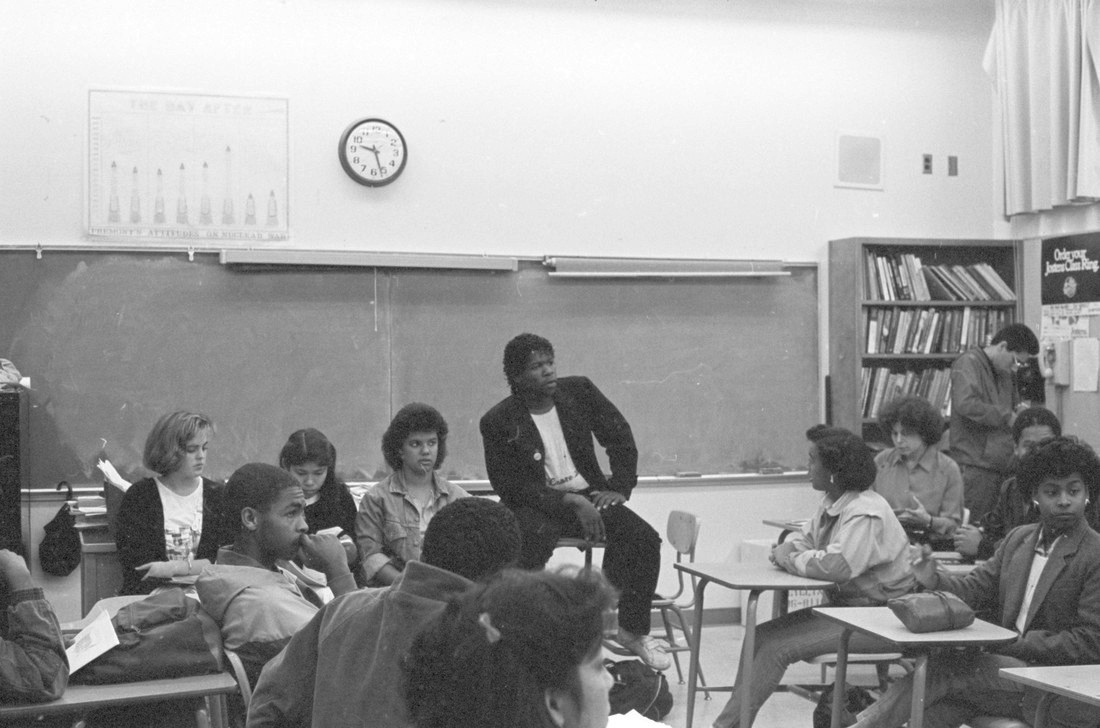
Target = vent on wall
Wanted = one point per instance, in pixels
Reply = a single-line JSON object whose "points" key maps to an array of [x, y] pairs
{"points": [[858, 161]]}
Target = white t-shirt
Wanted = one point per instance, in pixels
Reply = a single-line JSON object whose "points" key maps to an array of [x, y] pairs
{"points": [[182, 522], [561, 473]]}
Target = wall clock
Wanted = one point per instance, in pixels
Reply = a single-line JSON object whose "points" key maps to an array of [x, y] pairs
{"points": [[373, 152]]}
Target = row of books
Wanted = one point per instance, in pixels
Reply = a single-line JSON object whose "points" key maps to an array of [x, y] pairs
{"points": [[880, 385], [902, 277], [895, 330]]}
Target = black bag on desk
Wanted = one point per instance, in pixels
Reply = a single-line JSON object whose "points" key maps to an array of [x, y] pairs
{"points": [[931, 611], [59, 552]]}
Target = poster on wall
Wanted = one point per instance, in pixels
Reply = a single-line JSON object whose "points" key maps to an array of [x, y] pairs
{"points": [[205, 170], [1070, 284]]}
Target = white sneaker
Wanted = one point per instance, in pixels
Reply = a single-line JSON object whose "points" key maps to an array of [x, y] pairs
{"points": [[649, 649]]}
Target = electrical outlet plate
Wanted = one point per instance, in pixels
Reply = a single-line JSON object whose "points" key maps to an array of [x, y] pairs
{"points": [[926, 164]]}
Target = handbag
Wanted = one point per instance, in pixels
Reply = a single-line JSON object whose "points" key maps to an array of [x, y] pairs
{"points": [[931, 611], [59, 550]]}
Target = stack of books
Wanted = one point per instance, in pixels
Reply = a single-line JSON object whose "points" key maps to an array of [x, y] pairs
{"points": [[90, 510], [902, 277]]}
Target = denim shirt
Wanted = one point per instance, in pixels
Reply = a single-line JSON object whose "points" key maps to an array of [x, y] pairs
{"points": [[387, 527]]}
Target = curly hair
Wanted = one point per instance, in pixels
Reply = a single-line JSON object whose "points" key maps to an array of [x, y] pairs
{"points": [[519, 350], [472, 537], [167, 441], [844, 455], [488, 659], [1035, 417], [415, 417], [915, 414], [310, 446], [1059, 457]]}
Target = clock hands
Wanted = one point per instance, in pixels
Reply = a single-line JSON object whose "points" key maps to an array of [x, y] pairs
{"points": [[377, 159]]}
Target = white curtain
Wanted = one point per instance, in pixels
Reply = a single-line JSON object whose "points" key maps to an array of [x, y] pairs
{"points": [[1044, 57]]}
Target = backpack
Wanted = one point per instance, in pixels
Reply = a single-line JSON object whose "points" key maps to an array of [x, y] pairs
{"points": [[858, 700], [59, 551], [164, 635], [638, 687]]}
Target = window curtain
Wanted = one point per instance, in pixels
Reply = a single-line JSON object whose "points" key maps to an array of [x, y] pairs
{"points": [[1044, 56]]}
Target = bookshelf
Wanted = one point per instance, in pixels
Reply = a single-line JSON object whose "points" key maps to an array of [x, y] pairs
{"points": [[901, 310]]}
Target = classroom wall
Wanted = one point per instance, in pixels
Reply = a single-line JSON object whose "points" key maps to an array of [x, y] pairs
{"points": [[700, 128], [686, 128]]}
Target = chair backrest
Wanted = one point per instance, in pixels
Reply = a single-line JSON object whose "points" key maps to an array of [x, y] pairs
{"points": [[683, 532]]}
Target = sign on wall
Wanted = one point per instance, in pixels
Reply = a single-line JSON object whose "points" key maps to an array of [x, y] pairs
{"points": [[173, 167]]}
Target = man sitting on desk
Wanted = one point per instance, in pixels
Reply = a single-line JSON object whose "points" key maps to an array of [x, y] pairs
{"points": [[257, 602], [1043, 581], [33, 666], [541, 462]]}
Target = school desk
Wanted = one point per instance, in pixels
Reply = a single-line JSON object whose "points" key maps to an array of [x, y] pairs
{"points": [[756, 578], [882, 623], [80, 700], [1079, 682]]}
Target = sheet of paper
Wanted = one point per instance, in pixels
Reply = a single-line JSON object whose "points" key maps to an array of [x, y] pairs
{"points": [[112, 475], [91, 642], [1086, 365], [633, 719]]}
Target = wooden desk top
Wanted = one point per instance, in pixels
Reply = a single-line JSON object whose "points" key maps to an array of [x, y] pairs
{"points": [[83, 698], [881, 622], [1080, 682], [752, 576]]}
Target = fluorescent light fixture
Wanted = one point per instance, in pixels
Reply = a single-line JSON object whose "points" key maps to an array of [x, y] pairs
{"points": [[368, 259], [567, 267]]}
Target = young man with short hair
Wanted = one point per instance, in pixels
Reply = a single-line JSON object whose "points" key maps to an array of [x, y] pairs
{"points": [[257, 599], [541, 462], [984, 402], [343, 668], [33, 667]]}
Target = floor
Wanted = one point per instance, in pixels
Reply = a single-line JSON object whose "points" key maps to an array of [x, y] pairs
{"points": [[722, 648]]}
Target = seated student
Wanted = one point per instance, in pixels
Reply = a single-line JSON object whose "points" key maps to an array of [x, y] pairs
{"points": [[169, 525], [396, 511], [922, 485], [1043, 581], [541, 461], [258, 606], [1013, 507], [522, 650], [33, 666], [853, 539], [343, 668], [311, 459]]}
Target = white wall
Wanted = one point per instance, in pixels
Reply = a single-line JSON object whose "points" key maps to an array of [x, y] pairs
{"points": [[702, 128]]}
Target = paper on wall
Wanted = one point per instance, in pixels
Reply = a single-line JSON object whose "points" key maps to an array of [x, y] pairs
{"points": [[1086, 364]]}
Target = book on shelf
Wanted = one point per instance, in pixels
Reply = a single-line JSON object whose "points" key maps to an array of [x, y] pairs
{"points": [[879, 386], [904, 277]]}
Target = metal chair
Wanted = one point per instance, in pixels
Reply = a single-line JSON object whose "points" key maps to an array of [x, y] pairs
{"points": [[581, 545], [682, 533]]}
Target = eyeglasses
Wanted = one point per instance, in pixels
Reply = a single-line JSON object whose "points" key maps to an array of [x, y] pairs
{"points": [[1020, 360]]}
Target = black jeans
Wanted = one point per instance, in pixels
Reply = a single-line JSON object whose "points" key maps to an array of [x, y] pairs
{"points": [[631, 561]]}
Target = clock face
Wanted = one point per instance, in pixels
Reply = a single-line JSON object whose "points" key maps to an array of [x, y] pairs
{"points": [[373, 152]]}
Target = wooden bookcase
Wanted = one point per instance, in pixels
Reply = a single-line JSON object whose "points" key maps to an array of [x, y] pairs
{"points": [[914, 340]]}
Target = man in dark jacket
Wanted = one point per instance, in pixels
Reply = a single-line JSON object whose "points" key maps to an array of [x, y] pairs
{"points": [[542, 463]]}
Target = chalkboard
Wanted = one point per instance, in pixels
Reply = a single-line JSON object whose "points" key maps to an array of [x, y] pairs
{"points": [[714, 375]]}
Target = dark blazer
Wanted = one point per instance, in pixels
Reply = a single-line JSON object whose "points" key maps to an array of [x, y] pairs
{"points": [[514, 450], [1063, 625], [139, 531]]}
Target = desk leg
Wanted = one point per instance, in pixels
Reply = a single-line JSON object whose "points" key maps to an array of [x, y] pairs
{"points": [[920, 674], [748, 650], [840, 689], [1042, 709], [696, 643]]}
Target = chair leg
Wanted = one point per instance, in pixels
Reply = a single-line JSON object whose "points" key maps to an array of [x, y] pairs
{"points": [[882, 671], [687, 636], [672, 643]]}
